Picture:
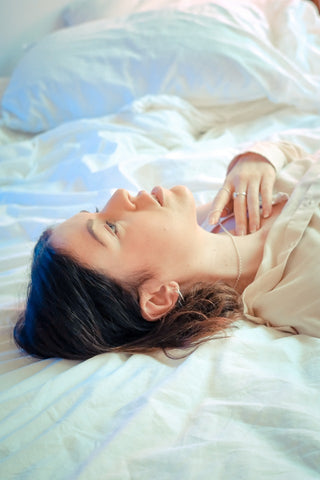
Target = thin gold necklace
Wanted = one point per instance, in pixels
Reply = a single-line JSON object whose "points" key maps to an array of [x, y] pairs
{"points": [[237, 253]]}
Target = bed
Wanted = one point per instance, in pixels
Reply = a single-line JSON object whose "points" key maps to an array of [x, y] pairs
{"points": [[131, 96]]}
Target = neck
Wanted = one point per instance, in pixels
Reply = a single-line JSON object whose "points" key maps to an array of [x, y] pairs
{"points": [[219, 258], [216, 254]]}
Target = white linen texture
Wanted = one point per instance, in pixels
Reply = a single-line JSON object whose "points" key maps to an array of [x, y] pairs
{"points": [[157, 97], [91, 69]]}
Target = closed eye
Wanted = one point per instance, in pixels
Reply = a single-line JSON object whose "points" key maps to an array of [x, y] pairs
{"points": [[112, 226]]}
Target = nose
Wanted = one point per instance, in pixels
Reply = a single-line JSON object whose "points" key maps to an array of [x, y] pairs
{"points": [[120, 200], [145, 200]]}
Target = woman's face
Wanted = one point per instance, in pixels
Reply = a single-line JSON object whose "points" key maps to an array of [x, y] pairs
{"points": [[154, 233]]}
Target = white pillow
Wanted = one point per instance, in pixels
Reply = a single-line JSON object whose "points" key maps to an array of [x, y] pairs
{"points": [[80, 11], [96, 68]]}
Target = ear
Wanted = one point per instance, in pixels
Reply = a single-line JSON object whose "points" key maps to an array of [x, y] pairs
{"points": [[156, 299]]}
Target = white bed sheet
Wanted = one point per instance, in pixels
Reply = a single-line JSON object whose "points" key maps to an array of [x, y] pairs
{"points": [[244, 407]]}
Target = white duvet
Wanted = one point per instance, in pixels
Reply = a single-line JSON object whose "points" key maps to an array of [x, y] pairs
{"points": [[245, 407]]}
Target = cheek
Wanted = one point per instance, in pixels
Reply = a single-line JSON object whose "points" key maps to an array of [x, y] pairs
{"points": [[156, 239], [152, 239], [151, 245]]}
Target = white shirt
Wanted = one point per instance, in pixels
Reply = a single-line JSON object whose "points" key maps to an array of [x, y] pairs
{"points": [[286, 290]]}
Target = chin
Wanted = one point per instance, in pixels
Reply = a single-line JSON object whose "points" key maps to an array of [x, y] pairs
{"points": [[186, 199]]}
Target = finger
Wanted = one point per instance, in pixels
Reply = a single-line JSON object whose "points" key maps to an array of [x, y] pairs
{"points": [[240, 210], [219, 204], [227, 209], [217, 215], [253, 206], [266, 190]]}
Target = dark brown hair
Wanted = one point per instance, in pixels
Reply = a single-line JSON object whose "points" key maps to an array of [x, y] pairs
{"points": [[75, 312]]}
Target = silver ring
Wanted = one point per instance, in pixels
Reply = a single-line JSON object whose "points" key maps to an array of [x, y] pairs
{"points": [[226, 189], [236, 194]]}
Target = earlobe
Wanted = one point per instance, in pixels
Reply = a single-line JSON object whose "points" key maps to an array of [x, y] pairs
{"points": [[156, 300]]}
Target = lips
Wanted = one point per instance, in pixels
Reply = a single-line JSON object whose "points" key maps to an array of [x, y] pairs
{"points": [[157, 193]]}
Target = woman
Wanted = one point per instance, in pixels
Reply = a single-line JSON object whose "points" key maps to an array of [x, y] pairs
{"points": [[143, 273]]}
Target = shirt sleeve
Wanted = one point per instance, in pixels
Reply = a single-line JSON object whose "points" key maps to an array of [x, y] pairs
{"points": [[279, 154]]}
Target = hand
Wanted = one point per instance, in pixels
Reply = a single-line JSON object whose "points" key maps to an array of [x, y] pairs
{"points": [[249, 175]]}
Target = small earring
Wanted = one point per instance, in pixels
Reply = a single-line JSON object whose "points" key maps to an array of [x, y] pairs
{"points": [[181, 297]]}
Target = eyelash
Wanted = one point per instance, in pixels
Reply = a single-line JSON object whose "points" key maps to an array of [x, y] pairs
{"points": [[111, 225]]}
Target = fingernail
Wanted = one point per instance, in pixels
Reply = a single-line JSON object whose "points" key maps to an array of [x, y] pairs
{"points": [[266, 214], [241, 231], [253, 229]]}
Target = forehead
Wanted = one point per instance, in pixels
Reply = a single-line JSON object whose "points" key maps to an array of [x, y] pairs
{"points": [[71, 235], [67, 227], [73, 238]]}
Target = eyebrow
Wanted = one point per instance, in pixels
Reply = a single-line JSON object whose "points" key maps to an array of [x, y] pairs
{"points": [[89, 226]]}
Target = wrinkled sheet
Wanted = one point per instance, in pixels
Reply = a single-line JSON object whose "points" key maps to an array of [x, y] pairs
{"points": [[244, 407]]}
